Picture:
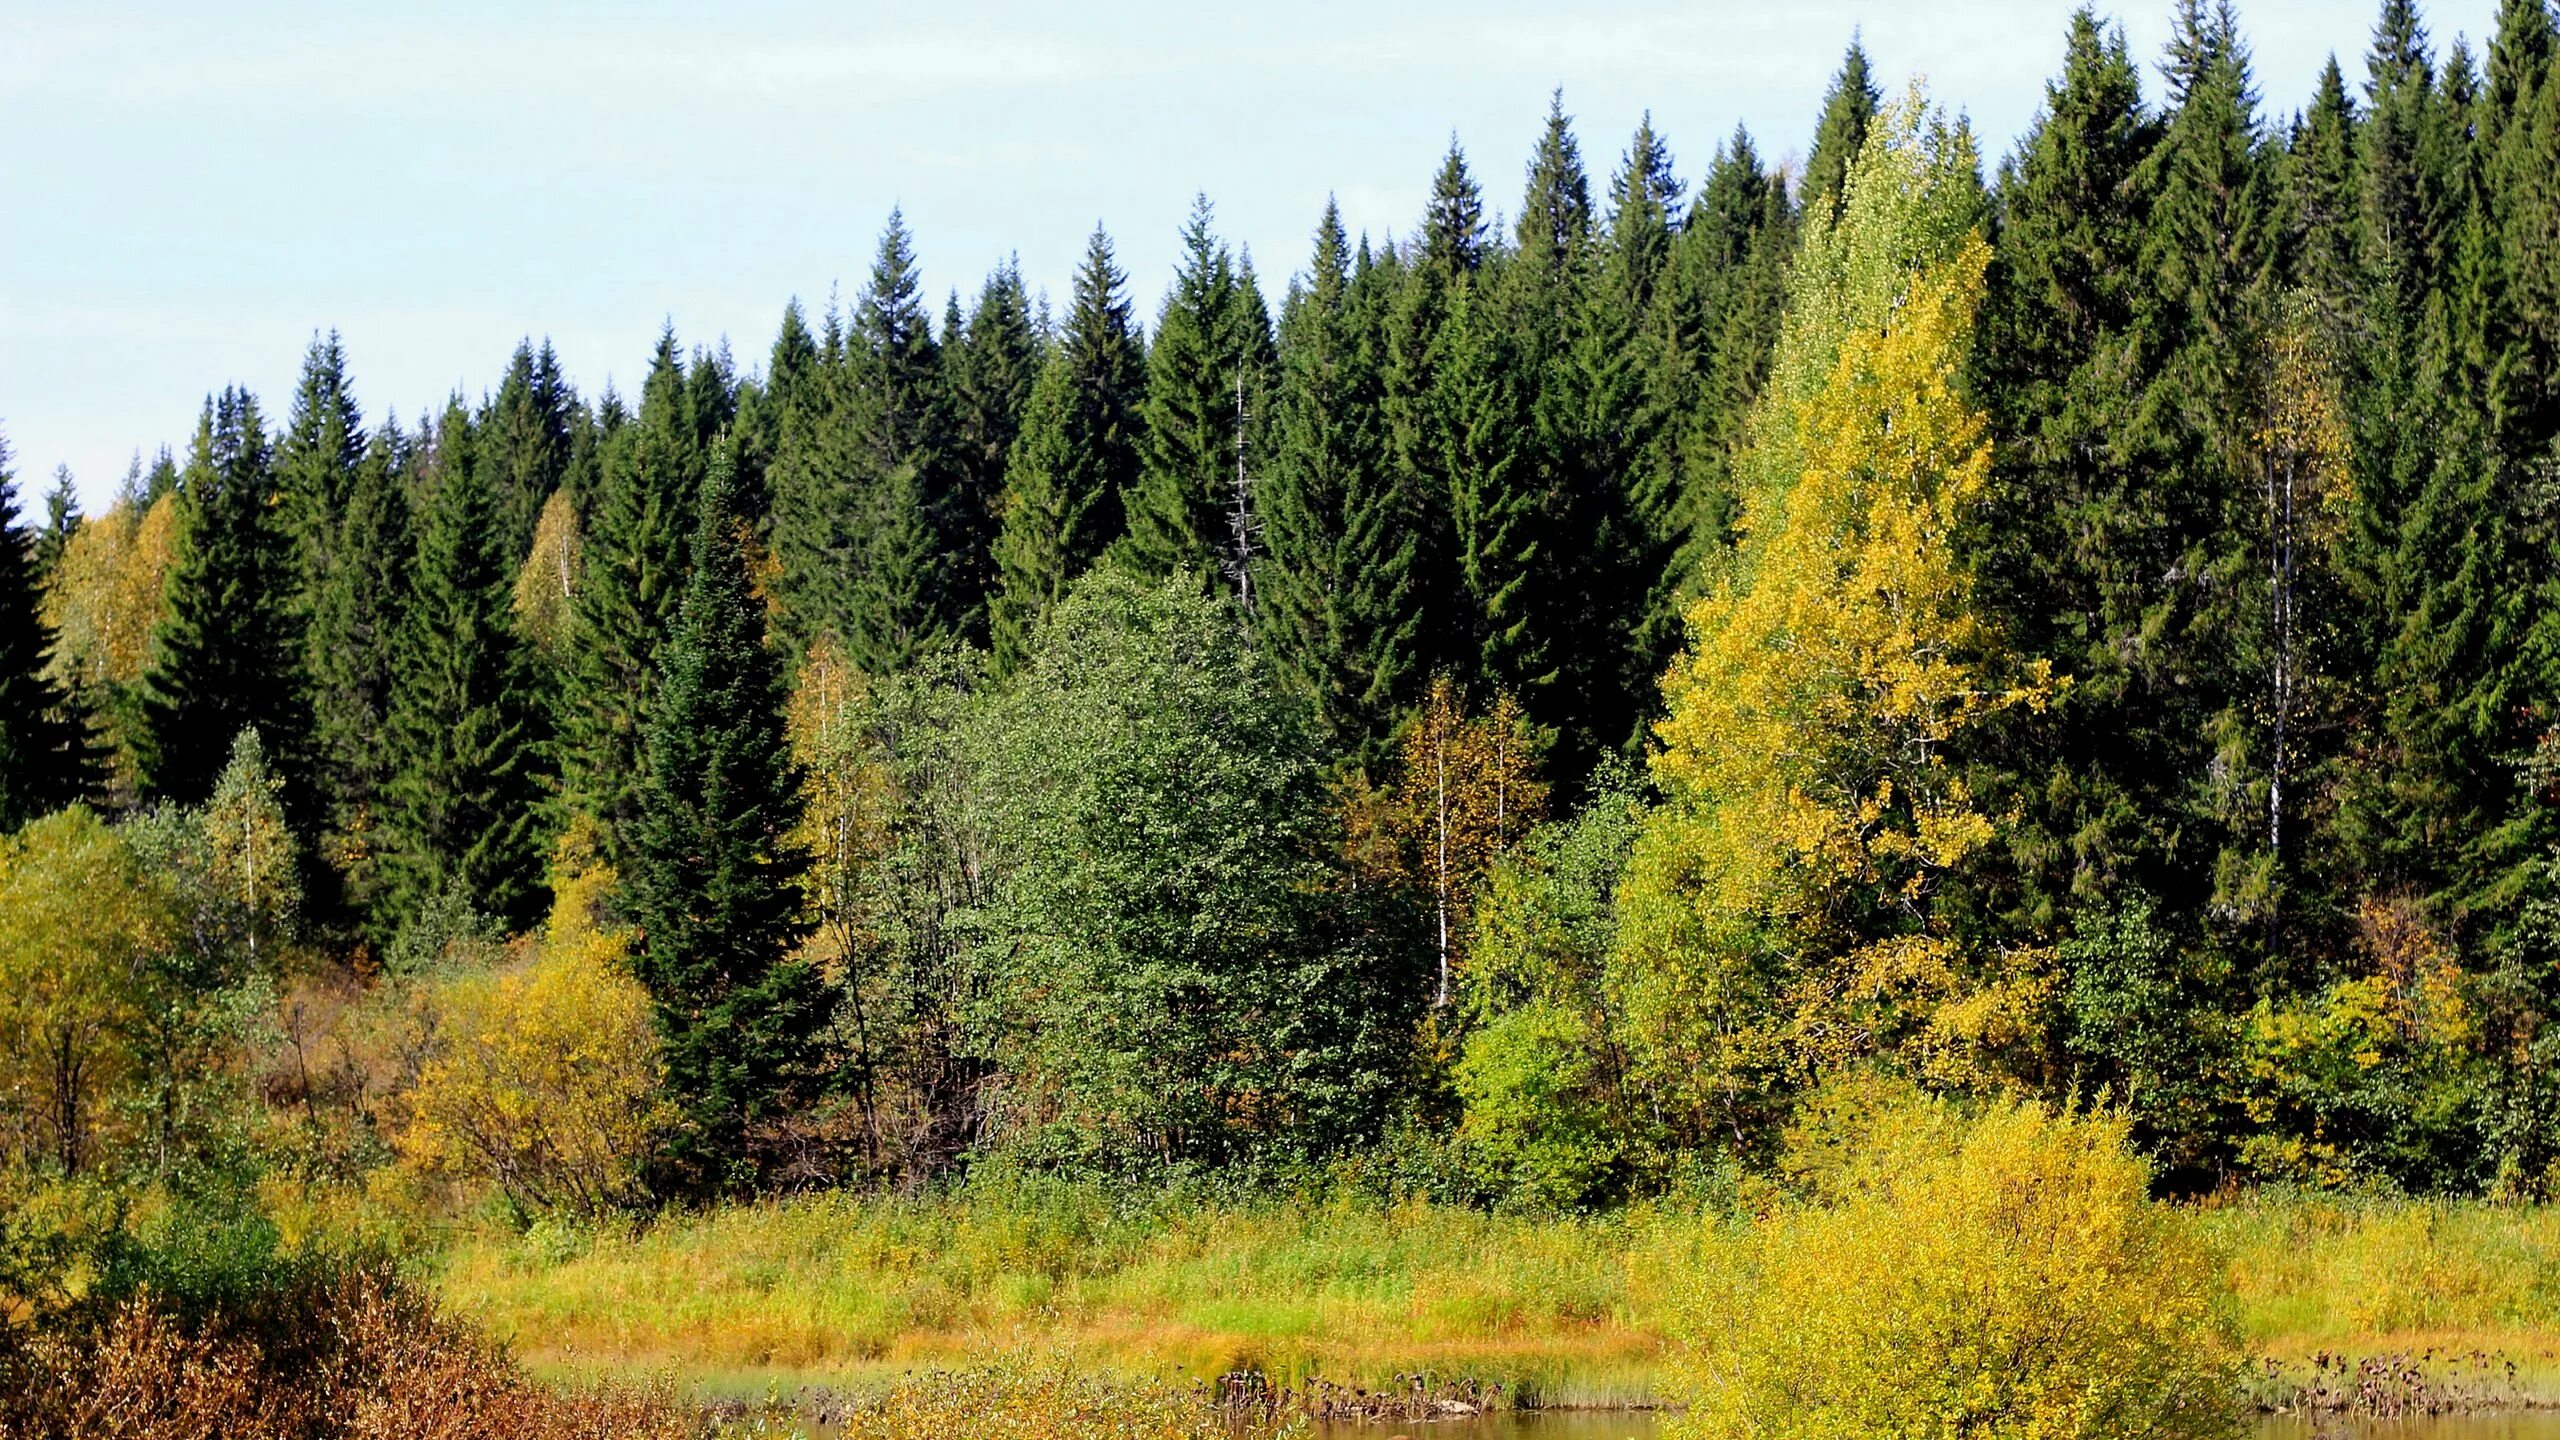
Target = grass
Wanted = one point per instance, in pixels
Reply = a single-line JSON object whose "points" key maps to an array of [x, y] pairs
{"points": [[847, 1290]]}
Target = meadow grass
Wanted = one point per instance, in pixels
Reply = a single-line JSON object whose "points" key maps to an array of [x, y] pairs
{"points": [[848, 1290]]}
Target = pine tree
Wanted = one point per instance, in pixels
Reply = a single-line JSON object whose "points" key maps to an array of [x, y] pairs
{"points": [[901, 508], [1207, 370], [713, 876], [528, 440], [1848, 111], [994, 363], [461, 731], [1334, 590], [631, 580], [1077, 457], [227, 655], [44, 755]]}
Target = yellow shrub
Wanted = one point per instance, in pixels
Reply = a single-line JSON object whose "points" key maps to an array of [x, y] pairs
{"points": [[544, 1079], [1999, 1275]]}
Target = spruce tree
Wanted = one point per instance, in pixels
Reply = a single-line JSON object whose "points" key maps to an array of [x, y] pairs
{"points": [[1420, 403], [315, 466], [2069, 543], [994, 362], [901, 509], [1207, 370], [354, 622], [228, 651], [1848, 110], [807, 476], [632, 577], [527, 441], [712, 879], [2323, 195], [1334, 588], [61, 521], [1077, 457], [461, 730], [44, 754]]}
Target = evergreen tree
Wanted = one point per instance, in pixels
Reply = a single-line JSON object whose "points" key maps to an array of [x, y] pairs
{"points": [[631, 580], [44, 756], [2323, 199], [1424, 419], [1848, 111], [902, 508], [807, 476], [355, 617], [1077, 457], [528, 439], [2070, 543], [460, 822], [713, 875], [227, 654], [315, 465], [61, 521], [1335, 589], [994, 363], [1207, 369]]}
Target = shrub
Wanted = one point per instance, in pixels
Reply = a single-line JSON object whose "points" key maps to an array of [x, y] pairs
{"points": [[1996, 1274]]}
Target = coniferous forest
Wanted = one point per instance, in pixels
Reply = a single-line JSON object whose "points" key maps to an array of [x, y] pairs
{"points": [[1510, 707]]}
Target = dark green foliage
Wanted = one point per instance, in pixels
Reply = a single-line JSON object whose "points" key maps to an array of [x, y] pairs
{"points": [[61, 521], [227, 655], [315, 464], [355, 615], [527, 441], [630, 582], [712, 879], [1420, 402], [1208, 375], [44, 755], [461, 731], [1187, 986], [1847, 111], [994, 362], [1076, 459], [1334, 589], [900, 513]]}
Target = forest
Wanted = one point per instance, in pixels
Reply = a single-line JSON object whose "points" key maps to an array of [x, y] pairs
{"points": [[1504, 725]]}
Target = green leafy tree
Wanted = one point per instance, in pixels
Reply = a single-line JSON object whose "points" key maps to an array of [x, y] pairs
{"points": [[1181, 986], [713, 876]]}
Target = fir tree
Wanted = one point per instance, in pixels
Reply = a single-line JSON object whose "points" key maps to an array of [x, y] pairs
{"points": [[61, 520], [994, 362], [2324, 197], [632, 577], [461, 818], [1424, 420], [227, 654], [713, 875], [1847, 113], [1207, 369], [807, 476], [1077, 457], [44, 756], [1334, 589], [315, 466]]}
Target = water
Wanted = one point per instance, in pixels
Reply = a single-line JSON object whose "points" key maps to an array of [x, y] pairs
{"points": [[1647, 1425]]}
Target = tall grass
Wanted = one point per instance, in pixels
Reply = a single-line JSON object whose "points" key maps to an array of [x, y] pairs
{"points": [[850, 1290]]}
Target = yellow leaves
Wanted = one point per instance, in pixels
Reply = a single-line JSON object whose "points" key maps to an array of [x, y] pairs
{"points": [[547, 583], [544, 1079], [1810, 813]]}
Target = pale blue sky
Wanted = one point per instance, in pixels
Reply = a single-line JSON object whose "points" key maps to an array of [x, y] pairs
{"points": [[192, 189]]}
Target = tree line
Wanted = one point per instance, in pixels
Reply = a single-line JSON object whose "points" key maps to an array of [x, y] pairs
{"points": [[1529, 708]]}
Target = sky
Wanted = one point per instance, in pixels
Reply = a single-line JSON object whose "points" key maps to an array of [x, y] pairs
{"points": [[192, 191]]}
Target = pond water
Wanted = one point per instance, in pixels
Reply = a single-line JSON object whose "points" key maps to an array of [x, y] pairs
{"points": [[1647, 1425]]}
